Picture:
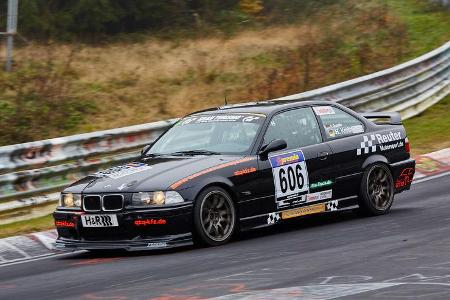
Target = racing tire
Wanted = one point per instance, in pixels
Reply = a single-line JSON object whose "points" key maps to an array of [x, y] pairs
{"points": [[215, 218], [377, 190]]}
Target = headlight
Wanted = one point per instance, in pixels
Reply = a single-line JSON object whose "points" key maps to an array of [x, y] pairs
{"points": [[156, 198], [70, 200]]}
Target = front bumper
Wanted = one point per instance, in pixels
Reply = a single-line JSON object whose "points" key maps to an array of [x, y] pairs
{"points": [[174, 231]]}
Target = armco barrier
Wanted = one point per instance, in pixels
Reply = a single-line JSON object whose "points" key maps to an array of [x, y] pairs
{"points": [[30, 173], [40, 244]]}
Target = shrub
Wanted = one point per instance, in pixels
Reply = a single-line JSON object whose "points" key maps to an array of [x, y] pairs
{"points": [[39, 100]]}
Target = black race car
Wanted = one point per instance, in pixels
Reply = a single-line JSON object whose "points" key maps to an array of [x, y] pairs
{"points": [[238, 168]]}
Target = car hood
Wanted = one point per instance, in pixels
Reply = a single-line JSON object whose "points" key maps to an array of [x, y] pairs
{"points": [[148, 174]]}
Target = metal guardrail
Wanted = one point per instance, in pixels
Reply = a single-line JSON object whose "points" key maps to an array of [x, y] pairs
{"points": [[30, 170], [409, 88]]}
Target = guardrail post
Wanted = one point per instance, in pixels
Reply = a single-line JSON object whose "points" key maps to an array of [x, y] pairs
{"points": [[11, 28]]}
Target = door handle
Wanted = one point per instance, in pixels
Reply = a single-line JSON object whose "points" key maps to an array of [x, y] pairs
{"points": [[323, 155]]}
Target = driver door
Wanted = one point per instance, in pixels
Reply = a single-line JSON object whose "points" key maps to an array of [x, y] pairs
{"points": [[289, 177]]}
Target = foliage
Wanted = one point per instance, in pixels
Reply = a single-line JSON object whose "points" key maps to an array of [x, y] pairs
{"points": [[342, 42], [93, 20], [428, 25], [282, 47], [251, 7], [39, 100]]}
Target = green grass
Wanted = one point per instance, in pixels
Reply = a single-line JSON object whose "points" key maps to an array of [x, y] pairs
{"points": [[429, 131], [427, 28], [27, 226]]}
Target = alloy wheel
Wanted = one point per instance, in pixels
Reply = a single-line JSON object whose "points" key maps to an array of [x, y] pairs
{"points": [[380, 188], [217, 218]]}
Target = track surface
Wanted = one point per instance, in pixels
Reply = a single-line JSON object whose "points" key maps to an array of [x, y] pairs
{"points": [[405, 254]]}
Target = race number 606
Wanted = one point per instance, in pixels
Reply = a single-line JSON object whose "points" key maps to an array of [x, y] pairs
{"points": [[291, 179]]}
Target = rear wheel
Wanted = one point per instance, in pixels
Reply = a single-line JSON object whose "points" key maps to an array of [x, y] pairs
{"points": [[377, 190], [214, 217]]}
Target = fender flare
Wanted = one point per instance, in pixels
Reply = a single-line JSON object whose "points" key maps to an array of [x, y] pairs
{"points": [[220, 181], [374, 159]]}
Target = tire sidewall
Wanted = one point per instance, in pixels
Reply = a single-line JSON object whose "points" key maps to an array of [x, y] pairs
{"points": [[365, 203], [200, 237]]}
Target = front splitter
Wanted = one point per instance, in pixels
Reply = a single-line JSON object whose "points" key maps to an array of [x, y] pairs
{"points": [[164, 242]]}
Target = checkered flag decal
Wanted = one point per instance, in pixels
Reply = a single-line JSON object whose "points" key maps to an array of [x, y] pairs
{"points": [[332, 205], [273, 218], [367, 145]]}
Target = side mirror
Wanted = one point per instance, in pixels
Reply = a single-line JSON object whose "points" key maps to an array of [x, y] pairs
{"points": [[145, 149], [275, 145]]}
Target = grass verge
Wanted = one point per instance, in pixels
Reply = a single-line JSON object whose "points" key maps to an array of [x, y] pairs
{"points": [[27, 226], [427, 27], [429, 131]]}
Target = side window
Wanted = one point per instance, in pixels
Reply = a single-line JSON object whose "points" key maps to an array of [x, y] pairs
{"points": [[298, 127], [338, 123]]}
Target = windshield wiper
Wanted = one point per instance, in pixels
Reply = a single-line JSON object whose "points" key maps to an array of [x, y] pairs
{"points": [[154, 154], [195, 152]]}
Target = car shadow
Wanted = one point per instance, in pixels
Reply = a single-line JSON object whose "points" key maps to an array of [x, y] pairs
{"points": [[304, 223]]}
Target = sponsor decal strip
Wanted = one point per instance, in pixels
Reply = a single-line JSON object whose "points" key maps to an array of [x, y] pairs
{"points": [[319, 196], [405, 178], [369, 145], [303, 211], [145, 222], [319, 184], [64, 224], [157, 245], [323, 110], [244, 117], [206, 171], [273, 218], [334, 130], [328, 206], [122, 171], [244, 171]]}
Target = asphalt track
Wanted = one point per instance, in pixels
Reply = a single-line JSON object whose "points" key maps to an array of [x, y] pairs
{"points": [[402, 255]]}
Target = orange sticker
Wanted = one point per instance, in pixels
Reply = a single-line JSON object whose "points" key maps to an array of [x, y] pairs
{"points": [[64, 224], [245, 171], [150, 222], [206, 171]]}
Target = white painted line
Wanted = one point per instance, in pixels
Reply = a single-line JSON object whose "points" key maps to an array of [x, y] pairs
{"points": [[323, 291], [431, 177], [40, 257]]}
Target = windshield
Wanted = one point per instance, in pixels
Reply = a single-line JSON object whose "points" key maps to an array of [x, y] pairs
{"points": [[210, 134]]}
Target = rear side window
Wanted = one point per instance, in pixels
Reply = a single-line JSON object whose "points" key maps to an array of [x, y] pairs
{"points": [[337, 123]]}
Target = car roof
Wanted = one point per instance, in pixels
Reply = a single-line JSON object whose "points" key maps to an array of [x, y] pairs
{"points": [[266, 107]]}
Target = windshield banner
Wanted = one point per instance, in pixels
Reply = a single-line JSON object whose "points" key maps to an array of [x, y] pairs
{"points": [[245, 118]]}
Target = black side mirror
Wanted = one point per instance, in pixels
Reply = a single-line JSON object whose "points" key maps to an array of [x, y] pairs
{"points": [[275, 145], [145, 149]]}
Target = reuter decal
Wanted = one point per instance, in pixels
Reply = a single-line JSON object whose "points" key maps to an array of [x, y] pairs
{"points": [[405, 178]]}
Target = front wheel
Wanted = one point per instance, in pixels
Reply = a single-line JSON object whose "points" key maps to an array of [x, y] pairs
{"points": [[377, 190], [214, 217]]}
